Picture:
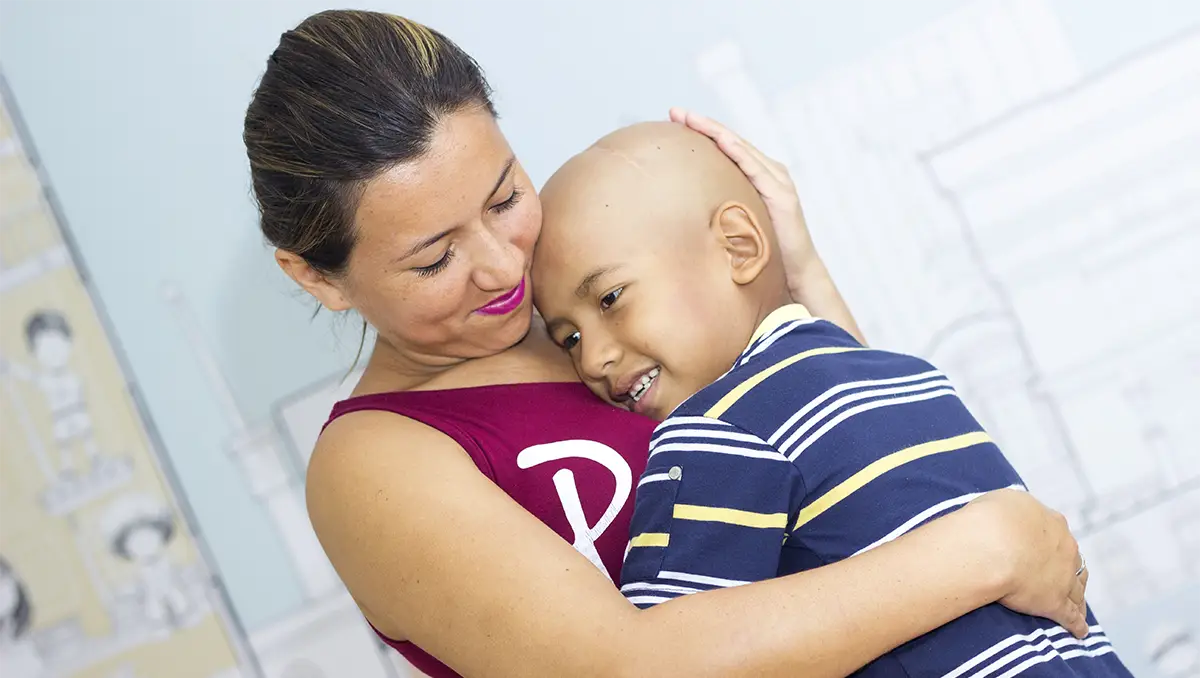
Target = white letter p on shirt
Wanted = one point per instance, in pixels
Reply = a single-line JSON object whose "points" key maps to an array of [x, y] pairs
{"points": [[568, 493]]}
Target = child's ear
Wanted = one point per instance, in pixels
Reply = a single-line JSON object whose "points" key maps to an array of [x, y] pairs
{"points": [[744, 240], [312, 280]]}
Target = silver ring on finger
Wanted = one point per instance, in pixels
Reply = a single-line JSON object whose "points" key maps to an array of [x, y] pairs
{"points": [[1082, 565]]}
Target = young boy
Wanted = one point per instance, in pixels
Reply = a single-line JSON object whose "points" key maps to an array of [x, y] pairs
{"points": [[785, 444]]}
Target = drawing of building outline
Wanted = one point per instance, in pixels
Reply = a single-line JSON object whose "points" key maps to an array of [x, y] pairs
{"points": [[1123, 120], [955, 182]]}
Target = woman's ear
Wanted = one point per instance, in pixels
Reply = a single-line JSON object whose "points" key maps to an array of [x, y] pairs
{"points": [[313, 281], [744, 240]]}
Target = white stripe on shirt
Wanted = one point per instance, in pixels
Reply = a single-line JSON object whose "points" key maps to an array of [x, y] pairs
{"points": [[1054, 654], [661, 588], [647, 600], [716, 434], [718, 449], [867, 395], [1017, 639], [1047, 650], [841, 388], [700, 579], [691, 423], [875, 404], [654, 478]]}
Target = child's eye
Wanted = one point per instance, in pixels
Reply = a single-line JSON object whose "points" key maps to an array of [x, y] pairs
{"points": [[609, 299], [571, 340]]}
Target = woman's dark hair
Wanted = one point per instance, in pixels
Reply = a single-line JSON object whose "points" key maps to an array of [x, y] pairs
{"points": [[346, 96]]}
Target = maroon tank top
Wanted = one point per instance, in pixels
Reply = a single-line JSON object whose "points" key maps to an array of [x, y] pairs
{"points": [[567, 457]]}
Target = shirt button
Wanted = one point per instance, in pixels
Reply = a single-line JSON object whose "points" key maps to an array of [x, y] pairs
{"points": [[675, 473]]}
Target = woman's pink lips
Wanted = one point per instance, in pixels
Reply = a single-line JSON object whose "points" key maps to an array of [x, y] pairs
{"points": [[505, 303]]}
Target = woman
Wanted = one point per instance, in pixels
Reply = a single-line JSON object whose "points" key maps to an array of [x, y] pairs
{"points": [[387, 188]]}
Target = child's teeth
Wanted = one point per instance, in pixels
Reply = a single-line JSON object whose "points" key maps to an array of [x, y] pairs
{"points": [[643, 384]]}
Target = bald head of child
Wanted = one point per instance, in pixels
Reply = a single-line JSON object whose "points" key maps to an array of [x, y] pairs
{"points": [[655, 263]]}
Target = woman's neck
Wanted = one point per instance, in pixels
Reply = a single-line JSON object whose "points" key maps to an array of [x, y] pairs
{"points": [[533, 359]]}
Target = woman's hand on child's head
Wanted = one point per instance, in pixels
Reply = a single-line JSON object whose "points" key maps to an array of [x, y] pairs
{"points": [[774, 185], [1037, 557], [808, 280]]}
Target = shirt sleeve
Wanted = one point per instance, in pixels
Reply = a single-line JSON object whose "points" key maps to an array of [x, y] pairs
{"points": [[711, 511]]}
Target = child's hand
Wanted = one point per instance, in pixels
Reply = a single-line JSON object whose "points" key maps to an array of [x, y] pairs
{"points": [[774, 186], [1037, 556]]}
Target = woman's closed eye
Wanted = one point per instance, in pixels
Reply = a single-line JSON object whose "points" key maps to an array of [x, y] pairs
{"points": [[437, 266], [509, 202], [607, 301]]}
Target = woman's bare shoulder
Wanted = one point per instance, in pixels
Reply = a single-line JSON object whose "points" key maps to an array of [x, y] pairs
{"points": [[358, 445], [360, 485]]}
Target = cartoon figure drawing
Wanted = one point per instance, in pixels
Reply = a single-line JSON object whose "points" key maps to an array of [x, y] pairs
{"points": [[49, 340], [18, 656], [79, 473], [139, 531]]}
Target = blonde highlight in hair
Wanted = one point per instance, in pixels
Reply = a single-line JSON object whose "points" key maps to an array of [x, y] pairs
{"points": [[422, 44]]}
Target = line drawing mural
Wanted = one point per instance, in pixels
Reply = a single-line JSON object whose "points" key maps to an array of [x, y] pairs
{"points": [[1033, 230], [102, 572]]}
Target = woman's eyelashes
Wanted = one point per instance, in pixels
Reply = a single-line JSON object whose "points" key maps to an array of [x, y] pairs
{"points": [[437, 266], [509, 202], [440, 265]]}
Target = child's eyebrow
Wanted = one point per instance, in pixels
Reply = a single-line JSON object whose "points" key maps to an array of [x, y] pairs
{"points": [[589, 281]]}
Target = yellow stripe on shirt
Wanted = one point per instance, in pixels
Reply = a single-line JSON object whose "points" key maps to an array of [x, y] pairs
{"points": [[743, 388], [713, 514], [881, 466], [650, 539]]}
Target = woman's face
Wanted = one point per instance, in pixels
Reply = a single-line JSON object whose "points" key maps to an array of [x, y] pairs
{"points": [[441, 262]]}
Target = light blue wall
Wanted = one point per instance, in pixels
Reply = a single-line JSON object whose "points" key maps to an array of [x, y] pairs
{"points": [[136, 110]]}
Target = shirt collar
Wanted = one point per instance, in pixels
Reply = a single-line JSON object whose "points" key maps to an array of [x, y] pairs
{"points": [[776, 319]]}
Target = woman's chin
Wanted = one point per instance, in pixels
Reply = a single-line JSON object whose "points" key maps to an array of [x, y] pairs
{"points": [[509, 333]]}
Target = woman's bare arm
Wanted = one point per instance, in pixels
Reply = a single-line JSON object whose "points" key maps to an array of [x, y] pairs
{"points": [[437, 554], [816, 290]]}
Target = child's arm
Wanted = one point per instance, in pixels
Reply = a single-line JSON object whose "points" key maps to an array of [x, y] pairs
{"points": [[808, 278], [711, 512], [714, 510]]}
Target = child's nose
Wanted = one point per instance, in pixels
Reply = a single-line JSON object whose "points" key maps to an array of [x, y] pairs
{"points": [[599, 356]]}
